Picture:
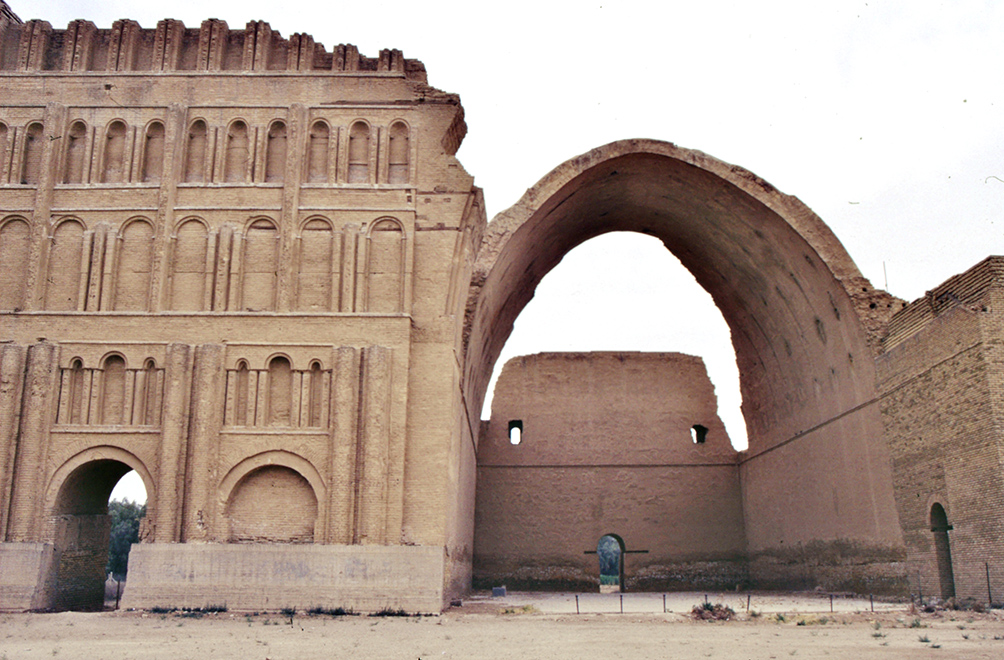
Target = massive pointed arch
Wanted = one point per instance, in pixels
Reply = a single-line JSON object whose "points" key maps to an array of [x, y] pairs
{"points": [[817, 470]]}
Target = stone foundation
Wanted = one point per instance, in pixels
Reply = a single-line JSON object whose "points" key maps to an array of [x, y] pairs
{"points": [[272, 577], [837, 566], [26, 576]]}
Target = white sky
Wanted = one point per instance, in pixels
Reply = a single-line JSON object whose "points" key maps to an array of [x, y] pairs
{"points": [[884, 117]]}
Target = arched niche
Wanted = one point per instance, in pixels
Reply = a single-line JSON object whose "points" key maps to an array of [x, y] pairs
{"points": [[190, 269], [113, 391], [359, 152], [31, 163], [135, 266], [115, 161], [399, 153], [76, 151], [317, 152], [4, 139], [153, 152], [316, 272], [275, 152], [195, 152], [63, 286], [385, 257], [261, 266], [791, 296], [269, 519], [237, 162], [15, 243], [280, 392]]}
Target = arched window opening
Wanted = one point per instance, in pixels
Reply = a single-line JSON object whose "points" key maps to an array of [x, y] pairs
{"points": [[115, 149], [610, 551], [386, 268], [62, 292], [153, 153], [400, 152], [76, 151], [280, 389], [195, 155], [113, 401], [275, 160], [135, 257], [698, 434], [943, 550], [316, 395], [100, 513], [317, 155], [261, 267], [238, 153], [515, 432], [314, 286], [359, 153], [15, 242], [31, 165], [189, 267]]}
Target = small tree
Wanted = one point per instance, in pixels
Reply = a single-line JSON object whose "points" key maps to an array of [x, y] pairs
{"points": [[125, 517]]}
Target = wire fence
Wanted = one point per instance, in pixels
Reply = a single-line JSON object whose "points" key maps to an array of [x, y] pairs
{"points": [[684, 602]]}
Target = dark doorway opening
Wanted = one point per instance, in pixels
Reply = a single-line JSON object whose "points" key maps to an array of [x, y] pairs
{"points": [[83, 529], [943, 550], [610, 550]]}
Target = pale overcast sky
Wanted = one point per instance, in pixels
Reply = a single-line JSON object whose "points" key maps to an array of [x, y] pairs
{"points": [[884, 117]]}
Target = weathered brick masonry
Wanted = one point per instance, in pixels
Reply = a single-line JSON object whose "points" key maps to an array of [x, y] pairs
{"points": [[251, 269], [230, 262], [941, 380]]}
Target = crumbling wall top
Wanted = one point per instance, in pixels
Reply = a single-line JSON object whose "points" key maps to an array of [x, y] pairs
{"points": [[35, 47], [966, 290]]}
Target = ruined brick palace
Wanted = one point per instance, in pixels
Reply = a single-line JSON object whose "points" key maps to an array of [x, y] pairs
{"points": [[251, 269]]}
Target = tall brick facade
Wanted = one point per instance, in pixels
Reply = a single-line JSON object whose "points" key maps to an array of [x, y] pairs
{"points": [[941, 380], [229, 263]]}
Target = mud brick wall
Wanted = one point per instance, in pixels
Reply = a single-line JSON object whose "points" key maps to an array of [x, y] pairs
{"points": [[607, 447], [941, 383]]}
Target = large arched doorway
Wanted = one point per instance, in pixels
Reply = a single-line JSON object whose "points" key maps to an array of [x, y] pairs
{"points": [[82, 533], [816, 474]]}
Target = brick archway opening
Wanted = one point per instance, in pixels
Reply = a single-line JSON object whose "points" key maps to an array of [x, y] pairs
{"points": [[816, 474], [81, 537]]}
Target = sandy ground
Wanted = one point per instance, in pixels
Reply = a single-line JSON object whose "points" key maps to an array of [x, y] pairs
{"points": [[519, 626]]}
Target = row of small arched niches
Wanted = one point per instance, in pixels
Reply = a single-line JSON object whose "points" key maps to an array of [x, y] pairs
{"points": [[113, 160], [16, 227], [132, 264], [114, 393], [277, 360]]}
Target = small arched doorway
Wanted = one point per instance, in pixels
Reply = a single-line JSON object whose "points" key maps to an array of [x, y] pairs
{"points": [[610, 551], [943, 550], [83, 532]]}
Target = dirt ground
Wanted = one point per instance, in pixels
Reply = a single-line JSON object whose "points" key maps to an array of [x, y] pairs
{"points": [[517, 627]]}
